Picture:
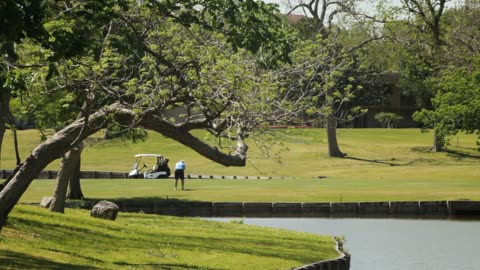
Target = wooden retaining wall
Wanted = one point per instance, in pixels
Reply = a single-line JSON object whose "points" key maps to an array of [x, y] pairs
{"points": [[440, 209], [340, 263]]}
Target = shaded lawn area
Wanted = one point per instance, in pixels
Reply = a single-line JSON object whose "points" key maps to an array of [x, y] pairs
{"points": [[37, 239]]}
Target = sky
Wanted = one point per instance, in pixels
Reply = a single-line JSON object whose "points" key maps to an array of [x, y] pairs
{"points": [[284, 4], [364, 5]]}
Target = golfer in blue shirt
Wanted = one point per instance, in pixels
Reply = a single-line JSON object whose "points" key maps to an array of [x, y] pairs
{"points": [[180, 173]]}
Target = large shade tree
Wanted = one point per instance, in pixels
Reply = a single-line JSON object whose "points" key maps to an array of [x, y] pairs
{"points": [[419, 34], [456, 104], [159, 56], [327, 71]]}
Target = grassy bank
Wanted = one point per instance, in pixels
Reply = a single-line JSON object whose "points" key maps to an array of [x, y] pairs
{"points": [[382, 165], [37, 239]]}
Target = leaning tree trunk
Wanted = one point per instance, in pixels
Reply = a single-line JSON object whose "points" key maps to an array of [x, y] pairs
{"points": [[64, 175], [333, 149], [74, 187], [40, 157], [64, 140]]}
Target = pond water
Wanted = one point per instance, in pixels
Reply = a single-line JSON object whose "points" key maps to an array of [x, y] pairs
{"points": [[394, 244]]}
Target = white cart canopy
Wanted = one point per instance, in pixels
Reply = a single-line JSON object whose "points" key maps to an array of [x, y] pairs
{"points": [[148, 155]]}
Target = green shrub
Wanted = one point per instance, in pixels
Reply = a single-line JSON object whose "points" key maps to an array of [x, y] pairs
{"points": [[388, 119]]}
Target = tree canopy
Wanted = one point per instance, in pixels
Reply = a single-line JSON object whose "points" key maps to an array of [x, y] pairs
{"points": [[226, 67], [131, 63], [454, 104], [330, 65]]}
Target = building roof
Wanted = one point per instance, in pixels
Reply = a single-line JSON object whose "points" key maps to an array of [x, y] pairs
{"points": [[294, 18]]}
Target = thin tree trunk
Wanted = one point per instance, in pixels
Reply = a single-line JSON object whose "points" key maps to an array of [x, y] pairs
{"points": [[64, 175], [15, 140], [333, 149], [2, 134], [15, 143], [74, 187]]}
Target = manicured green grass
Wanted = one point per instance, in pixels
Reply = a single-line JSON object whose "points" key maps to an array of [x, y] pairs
{"points": [[382, 165], [37, 239], [288, 190], [372, 154]]}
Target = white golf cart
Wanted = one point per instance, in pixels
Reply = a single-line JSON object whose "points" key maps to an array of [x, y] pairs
{"points": [[159, 170]]}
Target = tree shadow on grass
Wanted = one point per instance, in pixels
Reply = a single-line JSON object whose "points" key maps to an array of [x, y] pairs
{"points": [[393, 164], [15, 260], [375, 161], [461, 154], [458, 154]]}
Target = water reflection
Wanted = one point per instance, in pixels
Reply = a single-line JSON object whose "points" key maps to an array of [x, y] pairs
{"points": [[391, 244]]}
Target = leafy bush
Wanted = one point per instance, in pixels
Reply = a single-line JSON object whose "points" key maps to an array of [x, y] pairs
{"points": [[388, 119]]}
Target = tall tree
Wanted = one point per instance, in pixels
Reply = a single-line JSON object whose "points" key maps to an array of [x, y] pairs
{"points": [[327, 61], [456, 104], [160, 56], [423, 43]]}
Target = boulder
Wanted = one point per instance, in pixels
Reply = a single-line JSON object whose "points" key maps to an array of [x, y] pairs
{"points": [[105, 210]]}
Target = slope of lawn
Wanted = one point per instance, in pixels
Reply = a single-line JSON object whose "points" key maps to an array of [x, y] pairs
{"points": [[382, 165], [37, 239]]}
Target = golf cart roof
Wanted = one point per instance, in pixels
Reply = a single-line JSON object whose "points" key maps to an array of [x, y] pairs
{"points": [[148, 155]]}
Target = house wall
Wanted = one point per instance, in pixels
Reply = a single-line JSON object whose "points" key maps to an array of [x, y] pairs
{"points": [[396, 102]]}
